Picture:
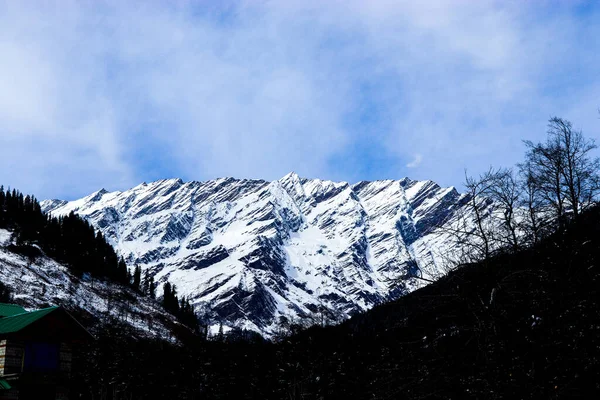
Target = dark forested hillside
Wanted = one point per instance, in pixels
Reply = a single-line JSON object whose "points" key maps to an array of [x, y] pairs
{"points": [[72, 241], [522, 325]]}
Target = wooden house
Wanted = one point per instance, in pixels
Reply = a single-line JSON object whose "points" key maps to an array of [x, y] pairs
{"points": [[35, 352]]}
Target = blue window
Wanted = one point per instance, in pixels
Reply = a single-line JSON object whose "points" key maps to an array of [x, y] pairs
{"points": [[41, 356]]}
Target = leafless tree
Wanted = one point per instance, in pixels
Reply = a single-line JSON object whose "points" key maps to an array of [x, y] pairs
{"points": [[502, 210], [465, 241], [468, 232], [487, 221], [546, 163], [480, 205], [534, 221], [505, 192], [562, 169], [580, 171]]}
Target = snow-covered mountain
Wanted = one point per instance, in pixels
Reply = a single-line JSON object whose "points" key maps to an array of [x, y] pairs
{"points": [[252, 251]]}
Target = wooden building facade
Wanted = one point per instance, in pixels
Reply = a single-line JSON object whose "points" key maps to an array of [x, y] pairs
{"points": [[36, 352]]}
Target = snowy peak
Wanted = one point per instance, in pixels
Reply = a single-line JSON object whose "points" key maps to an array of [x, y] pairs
{"points": [[250, 252]]}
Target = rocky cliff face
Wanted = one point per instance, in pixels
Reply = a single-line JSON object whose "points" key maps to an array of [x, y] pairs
{"points": [[252, 251]]}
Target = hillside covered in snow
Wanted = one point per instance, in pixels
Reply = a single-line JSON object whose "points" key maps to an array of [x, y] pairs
{"points": [[251, 253], [37, 281]]}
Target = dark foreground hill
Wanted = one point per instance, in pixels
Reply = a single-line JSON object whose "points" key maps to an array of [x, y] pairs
{"points": [[524, 325]]}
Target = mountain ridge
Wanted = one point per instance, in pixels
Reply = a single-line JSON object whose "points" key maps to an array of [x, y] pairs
{"points": [[250, 252]]}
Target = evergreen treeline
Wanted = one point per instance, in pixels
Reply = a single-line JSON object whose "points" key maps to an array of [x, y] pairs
{"points": [[72, 241], [181, 308]]}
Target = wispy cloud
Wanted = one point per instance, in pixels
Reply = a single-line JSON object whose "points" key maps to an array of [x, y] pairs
{"points": [[110, 94], [415, 162]]}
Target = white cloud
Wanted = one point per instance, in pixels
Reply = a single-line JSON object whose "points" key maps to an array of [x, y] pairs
{"points": [[110, 94], [416, 161]]}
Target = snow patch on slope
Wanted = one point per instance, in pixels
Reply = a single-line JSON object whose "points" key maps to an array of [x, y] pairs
{"points": [[42, 282]]}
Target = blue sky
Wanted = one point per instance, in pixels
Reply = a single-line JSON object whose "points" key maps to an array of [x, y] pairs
{"points": [[107, 95]]}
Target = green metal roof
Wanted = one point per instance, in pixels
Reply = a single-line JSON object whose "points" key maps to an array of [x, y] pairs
{"points": [[17, 322], [8, 310]]}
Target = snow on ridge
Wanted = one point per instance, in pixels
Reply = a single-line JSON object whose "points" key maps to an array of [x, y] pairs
{"points": [[251, 251]]}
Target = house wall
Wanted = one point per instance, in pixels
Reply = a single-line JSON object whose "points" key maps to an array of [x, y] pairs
{"points": [[11, 357], [7, 361], [12, 394], [2, 355], [65, 358], [12, 354]]}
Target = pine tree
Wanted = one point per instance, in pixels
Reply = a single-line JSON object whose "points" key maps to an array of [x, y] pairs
{"points": [[152, 288], [137, 277], [167, 296], [5, 294], [145, 286]]}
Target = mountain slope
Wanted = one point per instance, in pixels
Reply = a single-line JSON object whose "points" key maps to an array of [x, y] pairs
{"points": [[251, 252], [519, 325], [37, 281]]}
